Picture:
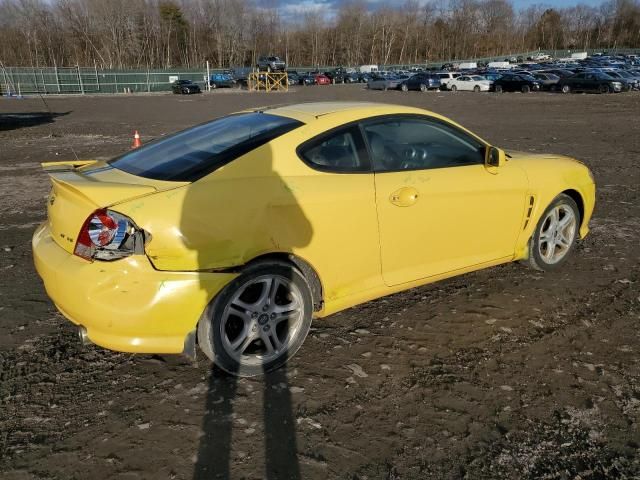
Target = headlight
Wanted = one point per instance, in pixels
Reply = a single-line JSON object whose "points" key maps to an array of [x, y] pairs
{"points": [[616, 84]]}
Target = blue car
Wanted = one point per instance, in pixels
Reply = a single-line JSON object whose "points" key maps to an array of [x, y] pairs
{"points": [[221, 80]]}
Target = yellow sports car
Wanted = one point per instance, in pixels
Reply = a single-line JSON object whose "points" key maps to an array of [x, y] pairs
{"points": [[233, 234]]}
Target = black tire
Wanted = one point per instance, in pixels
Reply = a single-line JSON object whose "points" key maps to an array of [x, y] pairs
{"points": [[498, 89], [536, 260], [526, 89], [566, 89], [423, 87], [211, 322], [454, 88], [213, 86], [404, 87], [604, 88], [476, 88]]}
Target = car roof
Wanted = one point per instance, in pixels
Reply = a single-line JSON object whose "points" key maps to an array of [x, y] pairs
{"points": [[307, 112], [311, 110]]}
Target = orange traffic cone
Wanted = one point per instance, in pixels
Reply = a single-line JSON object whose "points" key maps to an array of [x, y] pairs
{"points": [[136, 140]]}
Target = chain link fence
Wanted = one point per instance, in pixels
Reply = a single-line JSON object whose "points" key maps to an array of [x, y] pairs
{"points": [[91, 80]]}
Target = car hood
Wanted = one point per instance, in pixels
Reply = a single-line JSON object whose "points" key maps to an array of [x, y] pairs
{"points": [[520, 155]]}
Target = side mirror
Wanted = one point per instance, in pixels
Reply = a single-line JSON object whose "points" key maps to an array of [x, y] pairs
{"points": [[495, 157]]}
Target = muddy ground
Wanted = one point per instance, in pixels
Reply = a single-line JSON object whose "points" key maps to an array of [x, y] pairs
{"points": [[504, 373]]}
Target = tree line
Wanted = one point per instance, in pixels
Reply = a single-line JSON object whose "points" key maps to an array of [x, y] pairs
{"points": [[187, 33]]}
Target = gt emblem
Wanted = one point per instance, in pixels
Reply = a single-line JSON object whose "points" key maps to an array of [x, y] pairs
{"points": [[52, 199]]}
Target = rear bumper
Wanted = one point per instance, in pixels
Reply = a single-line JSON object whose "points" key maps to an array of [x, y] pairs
{"points": [[125, 305]]}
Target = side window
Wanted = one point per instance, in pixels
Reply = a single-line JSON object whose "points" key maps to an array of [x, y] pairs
{"points": [[408, 143], [339, 151]]}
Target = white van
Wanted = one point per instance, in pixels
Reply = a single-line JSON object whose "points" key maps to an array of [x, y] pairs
{"points": [[368, 68], [467, 66], [499, 65]]}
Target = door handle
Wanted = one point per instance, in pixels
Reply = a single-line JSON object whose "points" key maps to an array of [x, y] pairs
{"points": [[404, 197]]}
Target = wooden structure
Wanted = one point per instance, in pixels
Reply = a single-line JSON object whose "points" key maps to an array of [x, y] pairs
{"points": [[268, 81]]}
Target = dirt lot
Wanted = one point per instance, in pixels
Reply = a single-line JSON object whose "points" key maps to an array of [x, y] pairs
{"points": [[504, 373]]}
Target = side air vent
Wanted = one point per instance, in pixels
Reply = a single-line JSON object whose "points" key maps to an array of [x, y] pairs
{"points": [[527, 217]]}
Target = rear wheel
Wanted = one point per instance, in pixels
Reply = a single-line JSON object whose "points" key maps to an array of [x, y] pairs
{"points": [[423, 87], [498, 88], [555, 235], [258, 321], [566, 89], [604, 88], [404, 87], [526, 89]]}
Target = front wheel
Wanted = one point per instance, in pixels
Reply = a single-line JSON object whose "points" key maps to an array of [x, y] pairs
{"points": [[526, 89], [566, 89], [604, 88], [454, 88], [498, 88], [555, 235], [404, 87], [476, 89], [423, 87], [258, 321]]}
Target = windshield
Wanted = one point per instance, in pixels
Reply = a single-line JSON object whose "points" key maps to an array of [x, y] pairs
{"points": [[193, 153]]}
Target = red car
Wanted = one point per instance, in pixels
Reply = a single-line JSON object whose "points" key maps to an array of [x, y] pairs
{"points": [[322, 79]]}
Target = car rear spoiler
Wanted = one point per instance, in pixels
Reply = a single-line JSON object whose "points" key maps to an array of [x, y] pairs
{"points": [[66, 166]]}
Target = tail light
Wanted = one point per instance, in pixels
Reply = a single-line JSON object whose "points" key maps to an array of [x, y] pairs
{"points": [[108, 235]]}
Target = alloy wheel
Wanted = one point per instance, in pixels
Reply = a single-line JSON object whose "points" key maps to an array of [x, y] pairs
{"points": [[557, 234], [261, 319]]}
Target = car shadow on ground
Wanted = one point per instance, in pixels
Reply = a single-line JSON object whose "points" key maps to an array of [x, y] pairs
{"points": [[264, 209], [14, 121]]}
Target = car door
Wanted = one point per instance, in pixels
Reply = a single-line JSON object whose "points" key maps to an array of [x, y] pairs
{"points": [[440, 209], [338, 193]]}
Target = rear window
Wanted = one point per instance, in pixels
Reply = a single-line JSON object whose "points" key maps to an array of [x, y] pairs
{"points": [[193, 153]]}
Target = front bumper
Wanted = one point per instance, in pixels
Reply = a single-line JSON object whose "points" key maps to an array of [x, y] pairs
{"points": [[125, 305]]}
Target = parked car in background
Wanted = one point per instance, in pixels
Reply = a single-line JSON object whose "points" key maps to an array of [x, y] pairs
{"points": [[446, 77], [470, 83], [590, 82], [271, 64], [388, 82], [185, 87], [221, 80], [633, 80], [510, 82], [293, 78], [322, 79], [422, 81], [352, 77], [307, 79], [548, 81], [336, 76]]}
